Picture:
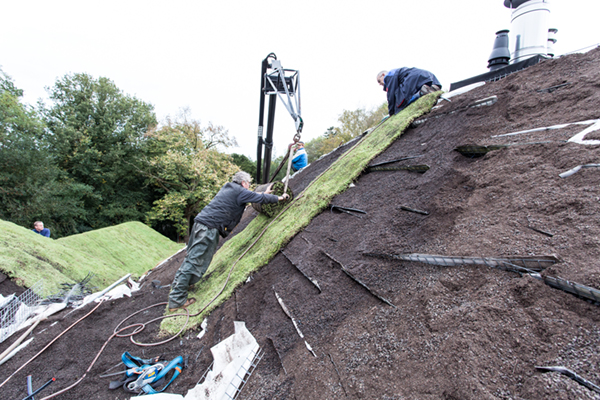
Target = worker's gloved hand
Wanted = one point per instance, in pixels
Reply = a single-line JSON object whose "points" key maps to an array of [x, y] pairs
{"points": [[284, 197], [269, 189]]}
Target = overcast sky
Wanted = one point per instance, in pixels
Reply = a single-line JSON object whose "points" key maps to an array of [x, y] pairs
{"points": [[206, 55]]}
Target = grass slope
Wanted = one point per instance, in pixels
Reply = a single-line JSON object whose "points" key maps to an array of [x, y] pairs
{"points": [[303, 209], [109, 253]]}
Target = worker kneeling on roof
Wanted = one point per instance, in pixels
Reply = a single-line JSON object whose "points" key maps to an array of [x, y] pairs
{"points": [[219, 217], [300, 159], [405, 85]]}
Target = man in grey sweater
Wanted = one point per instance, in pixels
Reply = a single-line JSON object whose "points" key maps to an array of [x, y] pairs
{"points": [[219, 217]]}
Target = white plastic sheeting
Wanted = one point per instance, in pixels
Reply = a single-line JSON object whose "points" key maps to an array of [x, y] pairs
{"points": [[232, 359], [43, 312], [287, 312], [576, 169], [26, 316], [203, 325], [580, 137], [117, 293], [462, 90], [577, 138], [94, 296], [120, 291], [5, 300], [15, 351]]}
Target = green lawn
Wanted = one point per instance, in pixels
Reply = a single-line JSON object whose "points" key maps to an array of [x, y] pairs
{"points": [[281, 229], [108, 253]]}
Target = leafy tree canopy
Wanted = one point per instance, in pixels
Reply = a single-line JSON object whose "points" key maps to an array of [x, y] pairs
{"points": [[187, 172], [96, 134], [352, 124], [32, 187], [244, 163]]}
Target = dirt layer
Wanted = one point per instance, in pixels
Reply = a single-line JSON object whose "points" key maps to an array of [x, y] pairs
{"points": [[461, 332]]}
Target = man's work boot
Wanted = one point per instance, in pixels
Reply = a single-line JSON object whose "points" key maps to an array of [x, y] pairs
{"points": [[188, 303], [426, 89]]}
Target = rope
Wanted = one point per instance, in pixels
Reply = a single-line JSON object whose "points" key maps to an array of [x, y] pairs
{"points": [[292, 148], [49, 344], [118, 333], [292, 202]]}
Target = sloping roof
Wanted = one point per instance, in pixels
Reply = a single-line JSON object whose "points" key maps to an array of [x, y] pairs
{"points": [[453, 332], [457, 331]]}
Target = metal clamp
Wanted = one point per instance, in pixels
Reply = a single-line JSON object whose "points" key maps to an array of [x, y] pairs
{"points": [[148, 376]]}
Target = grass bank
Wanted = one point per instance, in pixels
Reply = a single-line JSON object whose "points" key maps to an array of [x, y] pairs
{"points": [[109, 253]]}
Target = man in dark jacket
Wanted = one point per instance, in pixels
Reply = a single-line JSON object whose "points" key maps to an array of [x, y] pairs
{"points": [[405, 85], [219, 217]]}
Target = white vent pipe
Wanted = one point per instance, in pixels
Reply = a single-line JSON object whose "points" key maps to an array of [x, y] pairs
{"points": [[530, 34]]}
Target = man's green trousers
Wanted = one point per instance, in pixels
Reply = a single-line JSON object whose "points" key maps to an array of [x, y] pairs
{"points": [[200, 250]]}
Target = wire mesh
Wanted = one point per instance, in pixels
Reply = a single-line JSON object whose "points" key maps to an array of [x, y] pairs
{"points": [[248, 367], [519, 264], [498, 77], [414, 168], [72, 293], [203, 377], [577, 289], [237, 384], [19, 309]]}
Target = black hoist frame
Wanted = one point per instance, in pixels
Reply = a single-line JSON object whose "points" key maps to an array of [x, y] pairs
{"points": [[275, 83]]}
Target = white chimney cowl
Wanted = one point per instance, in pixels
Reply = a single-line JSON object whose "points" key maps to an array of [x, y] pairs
{"points": [[529, 30]]}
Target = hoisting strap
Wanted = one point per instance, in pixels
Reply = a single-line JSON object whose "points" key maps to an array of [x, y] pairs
{"points": [[292, 147]]}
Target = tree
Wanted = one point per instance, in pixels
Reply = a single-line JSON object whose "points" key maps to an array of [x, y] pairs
{"points": [[212, 136], [244, 163], [282, 172], [352, 124], [97, 136], [32, 187], [8, 86], [184, 171]]}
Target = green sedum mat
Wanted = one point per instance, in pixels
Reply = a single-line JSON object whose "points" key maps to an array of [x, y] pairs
{"points": [[109, 253], [272, 209], [304, 208]]}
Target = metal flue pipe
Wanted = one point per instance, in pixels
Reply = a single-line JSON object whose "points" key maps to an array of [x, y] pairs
{"points": [[530, 29]]}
